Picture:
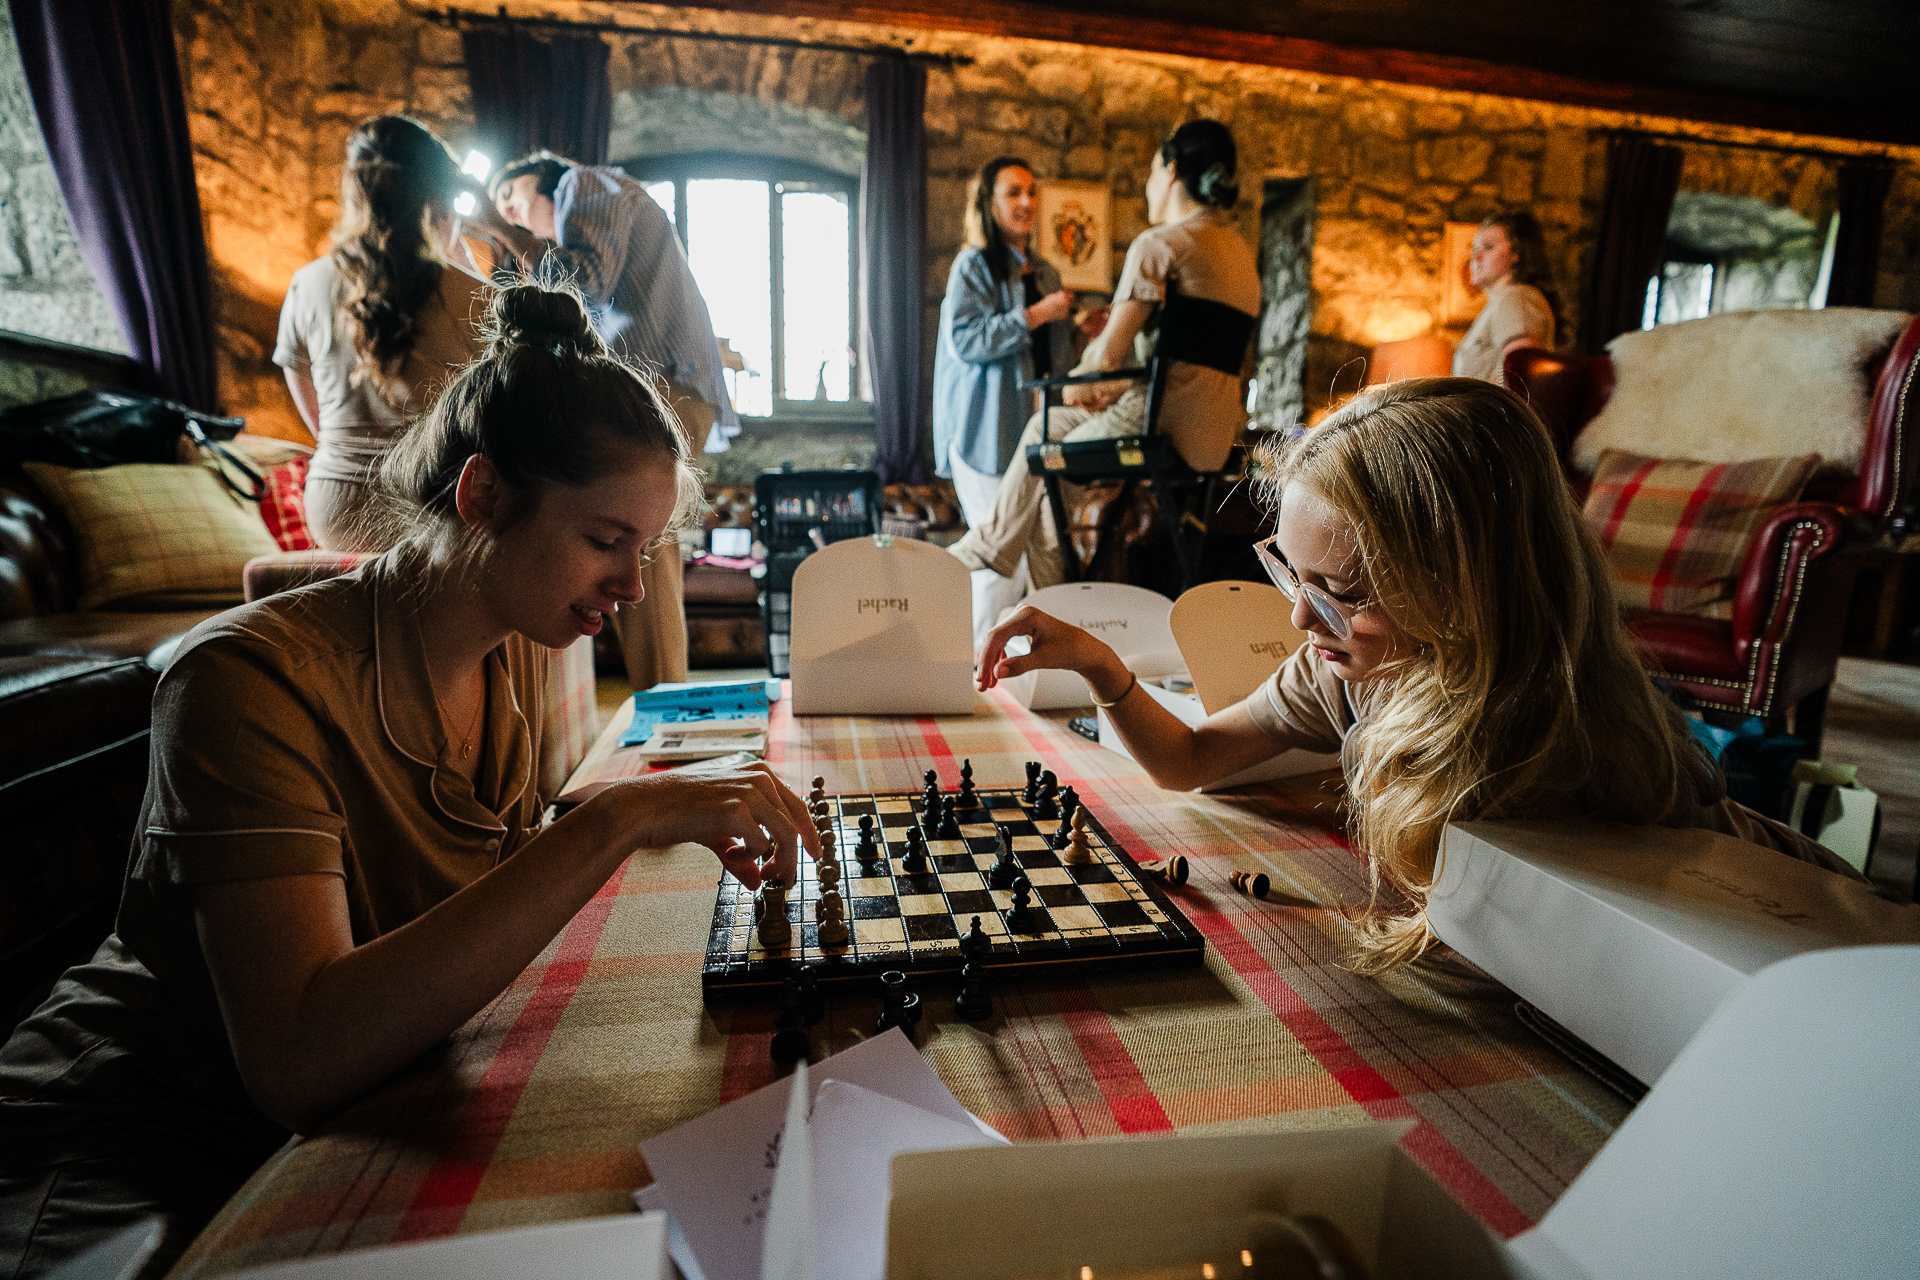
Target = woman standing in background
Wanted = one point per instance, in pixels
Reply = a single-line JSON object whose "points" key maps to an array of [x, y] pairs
{"points": [[370, 332], [1508, 263], [1001, 320]]}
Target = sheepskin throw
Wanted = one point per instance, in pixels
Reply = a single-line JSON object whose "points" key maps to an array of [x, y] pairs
{"points": [[1741, 385]]}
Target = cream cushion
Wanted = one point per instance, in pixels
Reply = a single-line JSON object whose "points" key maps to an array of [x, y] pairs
{"points": [[155, 536], [1745, 384]]}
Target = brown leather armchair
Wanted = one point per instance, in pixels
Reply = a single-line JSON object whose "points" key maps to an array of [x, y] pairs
{"points": [[1782, 646]]}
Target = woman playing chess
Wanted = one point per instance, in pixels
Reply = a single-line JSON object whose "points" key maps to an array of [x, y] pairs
{"points": [[1465, 653], [341, 856]]}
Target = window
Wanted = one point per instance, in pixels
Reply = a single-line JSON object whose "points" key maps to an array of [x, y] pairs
{"points": [[1737, 253], [773, 246]]}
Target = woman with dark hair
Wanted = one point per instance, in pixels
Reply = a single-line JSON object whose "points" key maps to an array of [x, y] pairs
{"points": [[1002, 319], [370, 331], [1192, 248], [1508, 263], [341, 856]]}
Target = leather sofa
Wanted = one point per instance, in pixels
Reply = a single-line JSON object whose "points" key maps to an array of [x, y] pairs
{"points": [[76, 695]]}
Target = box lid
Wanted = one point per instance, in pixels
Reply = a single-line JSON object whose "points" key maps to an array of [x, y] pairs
{"points": [[1233, 634]]}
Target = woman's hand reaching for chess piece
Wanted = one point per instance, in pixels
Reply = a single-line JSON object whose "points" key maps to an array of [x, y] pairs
{"points": [[746, 815]]}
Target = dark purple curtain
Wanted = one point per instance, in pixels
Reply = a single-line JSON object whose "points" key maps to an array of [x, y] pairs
{"points": [[532, 93], [106, 85], [893, 220], [1856, 248], [1642, 179]]}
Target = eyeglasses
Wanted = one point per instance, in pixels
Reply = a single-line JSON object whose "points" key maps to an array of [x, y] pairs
{"points": [[1337, 615]]}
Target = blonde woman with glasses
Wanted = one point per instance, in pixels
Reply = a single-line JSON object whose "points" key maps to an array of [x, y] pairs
{"points": [[1465, 654]]}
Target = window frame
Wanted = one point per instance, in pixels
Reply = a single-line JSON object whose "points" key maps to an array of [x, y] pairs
{"points": [[775, 170]]}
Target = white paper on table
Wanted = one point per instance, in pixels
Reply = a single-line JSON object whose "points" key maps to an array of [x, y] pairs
{"points": [[715, 1174], [786, 1252], [653, 1199], [623, 1247]]}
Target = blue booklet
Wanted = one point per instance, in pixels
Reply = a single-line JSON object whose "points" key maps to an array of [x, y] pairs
{"points": [[680, 703]]}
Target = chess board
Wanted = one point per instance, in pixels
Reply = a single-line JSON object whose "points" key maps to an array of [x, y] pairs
{"points": [[1100, 917]]}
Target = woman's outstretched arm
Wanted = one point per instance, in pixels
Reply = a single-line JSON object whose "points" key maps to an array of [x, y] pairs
{"points": [[316, 1021]]}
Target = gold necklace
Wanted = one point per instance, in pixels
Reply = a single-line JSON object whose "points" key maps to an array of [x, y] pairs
{"points": [[466, 743]]}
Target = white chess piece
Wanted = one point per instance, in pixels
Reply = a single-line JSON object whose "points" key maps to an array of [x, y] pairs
{"points": [[1078, 851]]}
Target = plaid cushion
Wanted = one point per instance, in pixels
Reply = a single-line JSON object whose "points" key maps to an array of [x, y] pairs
{"points": [[1676, 533], [284, 508], [155, 536]]}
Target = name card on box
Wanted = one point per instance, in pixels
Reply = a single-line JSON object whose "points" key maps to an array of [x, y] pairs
{"points": [[882, 626], [1132, 620], [1234, 635]]}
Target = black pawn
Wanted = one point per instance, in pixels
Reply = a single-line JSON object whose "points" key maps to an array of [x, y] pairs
{"points": [[790, 1038], [902, 1007], [1069, 801], [1032, 788], [932, 813], [916, 859], [932, 779], [867, 842], [1004, 872], [974, 1002], [949, 821], [974, 944], [1020, 917], [813, 1005], [1046, 799]]}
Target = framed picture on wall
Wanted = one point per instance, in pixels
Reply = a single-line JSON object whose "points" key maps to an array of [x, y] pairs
{"points": [[1074, 231], [1461, 302]]}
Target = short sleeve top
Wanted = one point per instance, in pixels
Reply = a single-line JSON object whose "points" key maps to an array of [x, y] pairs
{"points": [[1517, 311], [1201, 256], [294, 736], [316, 340]]}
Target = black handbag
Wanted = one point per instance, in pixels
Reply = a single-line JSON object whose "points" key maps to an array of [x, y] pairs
{"points": [[108, 428]]}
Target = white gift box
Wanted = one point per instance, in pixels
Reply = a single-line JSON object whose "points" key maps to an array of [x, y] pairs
{"points": [[881, 626]]}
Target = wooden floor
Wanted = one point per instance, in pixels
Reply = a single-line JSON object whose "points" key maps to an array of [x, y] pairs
{"points": [[1873, 720]]}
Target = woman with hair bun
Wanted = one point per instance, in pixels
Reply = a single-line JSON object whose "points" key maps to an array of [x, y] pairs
{"points": [[341, 856], [368, 332], [1193, 248]]}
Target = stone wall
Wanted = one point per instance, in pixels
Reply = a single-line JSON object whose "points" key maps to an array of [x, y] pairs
{"points": [[46, 289], [274, 86]]}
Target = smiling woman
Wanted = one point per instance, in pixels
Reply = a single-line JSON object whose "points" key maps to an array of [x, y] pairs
{"points": [[342, 855]]}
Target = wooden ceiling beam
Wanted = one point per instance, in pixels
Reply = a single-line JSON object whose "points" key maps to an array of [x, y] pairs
{"points": [[1400, 66]]}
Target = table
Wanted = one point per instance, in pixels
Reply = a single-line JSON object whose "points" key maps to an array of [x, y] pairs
{"points": [[533, 1111]]}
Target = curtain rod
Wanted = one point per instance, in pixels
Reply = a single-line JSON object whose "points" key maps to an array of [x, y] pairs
{"points": [[1815, 153], [464, 17]]}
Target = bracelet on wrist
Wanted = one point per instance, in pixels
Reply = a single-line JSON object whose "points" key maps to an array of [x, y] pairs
{"points": [[1133, 682]]}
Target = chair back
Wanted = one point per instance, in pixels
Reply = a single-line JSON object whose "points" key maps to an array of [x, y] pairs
{"points": [[1195, 331]]}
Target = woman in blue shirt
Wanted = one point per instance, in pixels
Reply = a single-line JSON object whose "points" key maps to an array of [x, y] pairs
{"points": [[1003, 318]]}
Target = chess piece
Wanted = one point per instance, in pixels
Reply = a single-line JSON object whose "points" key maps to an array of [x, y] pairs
{"points": [[916, 860], [1252, 883], [902, 1007], [975, 946], [830, 919], [770, 909], [974, 1002], [865, 848], [931, 795], [1062, 833], [1069, 801], [1046, 798], [813, 1005], [932, 815], [1079, 850], [969, 799], [1004, 872], [949, 821], [790, 1038], [1032, 788], [1173, 870], [1020, 916], [819, 793]]}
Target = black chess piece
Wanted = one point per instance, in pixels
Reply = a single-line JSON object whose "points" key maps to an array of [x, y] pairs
{"points": [[932, 792], [974, 1002], [1069, 801], [975, 946], [931, 812], [902, 1007], [1032, 788], [1004, 872], [969, 798], [949, 828], [1063, 836], [813, 1005], [869, 846], [790, 1042], [1046, 800], [916, 860], [1020, 917]]}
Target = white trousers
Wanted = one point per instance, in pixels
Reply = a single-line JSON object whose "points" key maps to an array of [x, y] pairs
{"points": [[993, 594]]}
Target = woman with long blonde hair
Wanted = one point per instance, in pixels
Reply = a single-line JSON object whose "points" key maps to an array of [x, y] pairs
{"points": [[1465, 654]]}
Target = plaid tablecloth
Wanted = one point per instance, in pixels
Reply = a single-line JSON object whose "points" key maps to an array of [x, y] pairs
{"points": [[534, 1110]]}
